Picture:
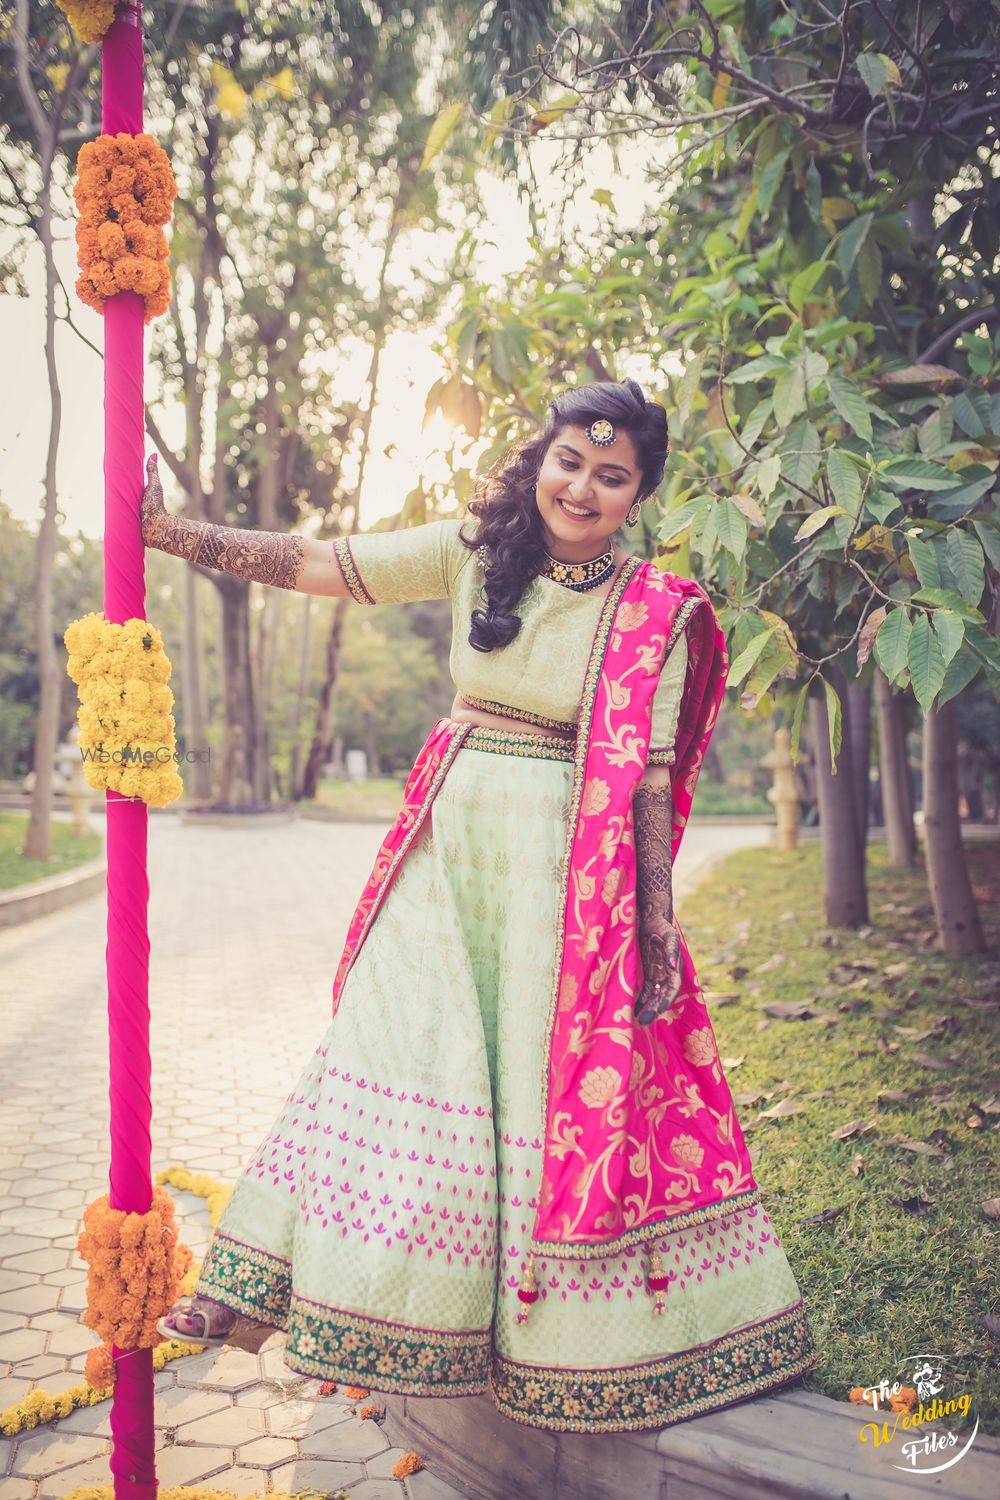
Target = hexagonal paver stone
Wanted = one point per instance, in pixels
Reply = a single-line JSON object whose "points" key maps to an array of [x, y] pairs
{"points": [[347, 1440], [248, 1482], [98, 1471], [315, 1475], [72, 1339], [95, 1420], [24, 1253], [378, 1489], [304, 1419], [25, 1343], [224, 1429], [44, 1367], [30, 1300], [177, 1465], [267, 1452], [225, 1369], [18, 1489], [186, 1404], [46, 1452]]}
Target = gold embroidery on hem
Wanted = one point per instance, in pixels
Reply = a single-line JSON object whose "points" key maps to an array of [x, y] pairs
{"points": [[487, 705], [345, 558], [651, 1230], [692, 1382], [661, 757]]}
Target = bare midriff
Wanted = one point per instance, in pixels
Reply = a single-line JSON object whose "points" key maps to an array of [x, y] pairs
{"points": [[466, 714]]}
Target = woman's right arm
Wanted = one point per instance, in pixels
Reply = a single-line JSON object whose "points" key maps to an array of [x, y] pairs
{"points": [[279, 558]]}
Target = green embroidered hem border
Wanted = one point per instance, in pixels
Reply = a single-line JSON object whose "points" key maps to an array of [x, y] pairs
{"points": [[661, 757], [249, 1281], [330, 1344], [518, 742], [345, 558], [659, 1393]]}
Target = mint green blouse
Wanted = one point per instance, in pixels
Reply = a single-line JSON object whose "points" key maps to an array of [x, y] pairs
{"points": [[539, 675]]}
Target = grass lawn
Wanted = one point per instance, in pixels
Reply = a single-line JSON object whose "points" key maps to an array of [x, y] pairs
{"points": [[67, 849], [900, 1042]]}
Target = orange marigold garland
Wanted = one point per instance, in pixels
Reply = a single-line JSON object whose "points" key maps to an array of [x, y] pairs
{"points": [[124, 191], [90, 19], [136, 1266]]}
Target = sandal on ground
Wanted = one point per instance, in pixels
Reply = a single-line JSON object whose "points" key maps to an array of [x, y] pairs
{"points": [[242, 1333]]}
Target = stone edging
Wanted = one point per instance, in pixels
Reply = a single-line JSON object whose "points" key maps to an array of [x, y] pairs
{"points": [[39, 897], [793, 1445]]}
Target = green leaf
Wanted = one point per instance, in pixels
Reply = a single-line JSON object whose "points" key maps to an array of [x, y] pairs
{"points": [[925, 660], [950, 631], [603, 197], [768, 474], [440, 133], [689, 385], [850, 242], [770, 180], [892, 644], [916, 473], [800, 453], [926, 562], [986, 647], [804, 281], [731, 527], [850, 405], [500, 356], [946, 599], [960, 672], [871, 66], [817, 521], [845, 480], [965, 562], [800, 705], [676, 521], [756, 369], [747, 658], [790, 394], [989, 535], [834, 716]]}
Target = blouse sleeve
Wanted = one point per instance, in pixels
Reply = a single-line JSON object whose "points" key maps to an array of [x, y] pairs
{"points": [[403, 566], [667, 704]]}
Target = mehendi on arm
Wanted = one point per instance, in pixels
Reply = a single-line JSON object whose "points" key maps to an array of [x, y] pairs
{"points": [[273, 557], [659, 940]]}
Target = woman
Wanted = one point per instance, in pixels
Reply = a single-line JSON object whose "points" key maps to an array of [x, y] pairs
{"points": [[518, 1105]]}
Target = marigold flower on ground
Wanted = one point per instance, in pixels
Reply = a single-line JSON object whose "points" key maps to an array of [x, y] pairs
{"points": [[408, 1464]]}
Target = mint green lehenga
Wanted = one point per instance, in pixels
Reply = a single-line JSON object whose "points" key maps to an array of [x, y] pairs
{"points": [[384, 1218]]}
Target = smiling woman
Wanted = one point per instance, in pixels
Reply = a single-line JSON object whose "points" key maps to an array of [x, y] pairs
{"points": [[519, 1099]]}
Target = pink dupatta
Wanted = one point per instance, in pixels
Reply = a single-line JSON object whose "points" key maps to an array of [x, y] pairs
{"points": [[640, 1132]]}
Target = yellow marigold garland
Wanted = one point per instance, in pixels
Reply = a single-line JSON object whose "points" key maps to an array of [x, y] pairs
{"points": [[124, 191], [90, 19], [126, 728]]}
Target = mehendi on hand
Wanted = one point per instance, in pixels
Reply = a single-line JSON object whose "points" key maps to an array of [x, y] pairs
{"points": [[273, 557]]}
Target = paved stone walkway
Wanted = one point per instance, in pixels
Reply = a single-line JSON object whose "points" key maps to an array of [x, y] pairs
{"points": [[246, 928]]}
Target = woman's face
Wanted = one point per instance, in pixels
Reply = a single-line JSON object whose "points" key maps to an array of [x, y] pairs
{"points": [[575, 475]]}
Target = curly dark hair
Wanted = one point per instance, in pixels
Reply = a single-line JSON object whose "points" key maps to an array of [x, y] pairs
{"points": [[510, 526]]}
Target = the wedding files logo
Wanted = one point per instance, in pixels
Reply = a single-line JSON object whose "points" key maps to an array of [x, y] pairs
{"points": [[928, 1416]]}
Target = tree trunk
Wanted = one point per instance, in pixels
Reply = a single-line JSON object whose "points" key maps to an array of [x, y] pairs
{"points": [[199, 771], [295, 717], [319, 748], [959, 928], [894, 769], [844, 889], [371, 745], [859, 700], [238, 750]]}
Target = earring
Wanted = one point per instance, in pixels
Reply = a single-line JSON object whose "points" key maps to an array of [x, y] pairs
{"points": [[631, 518]]}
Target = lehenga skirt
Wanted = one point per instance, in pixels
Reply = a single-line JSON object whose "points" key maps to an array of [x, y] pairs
{"points": [[383, 1221]]}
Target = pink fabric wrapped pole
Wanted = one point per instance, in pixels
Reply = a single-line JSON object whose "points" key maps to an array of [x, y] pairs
{"points": [[127, 954]]}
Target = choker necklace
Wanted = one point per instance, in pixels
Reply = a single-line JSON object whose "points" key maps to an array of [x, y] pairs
{"points": [[581, 576]]}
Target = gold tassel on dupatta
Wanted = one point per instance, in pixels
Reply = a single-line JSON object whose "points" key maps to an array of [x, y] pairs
{"points": [[656, 1281], [527, 1292]]}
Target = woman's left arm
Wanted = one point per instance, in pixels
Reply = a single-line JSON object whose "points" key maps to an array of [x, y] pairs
{"points": [[659, 940]]}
